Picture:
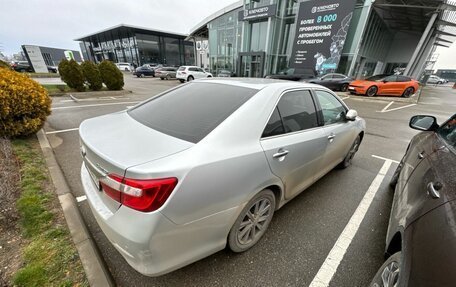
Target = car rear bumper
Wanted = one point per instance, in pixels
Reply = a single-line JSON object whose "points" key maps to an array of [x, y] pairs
{"points": [[151, 243]]}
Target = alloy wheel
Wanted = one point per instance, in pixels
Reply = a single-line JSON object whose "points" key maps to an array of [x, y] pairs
{"points": [[344, 88], [408, 92], [390, 275], [255, 221], [372, 91]]}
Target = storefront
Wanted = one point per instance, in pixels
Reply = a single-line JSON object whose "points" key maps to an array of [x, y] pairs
{"points": [[253, 38], [137, 46]]}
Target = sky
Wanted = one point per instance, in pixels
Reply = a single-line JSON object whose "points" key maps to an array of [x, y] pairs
{"points": [[56, 23]]}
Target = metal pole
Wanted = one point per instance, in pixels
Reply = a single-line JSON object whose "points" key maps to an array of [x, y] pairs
{"points": [[420, 44]]}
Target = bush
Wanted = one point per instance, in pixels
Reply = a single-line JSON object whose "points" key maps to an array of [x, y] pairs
{"points": [[111, 75], [63, 69], [25, 104], [92, 75], [72, 75]]}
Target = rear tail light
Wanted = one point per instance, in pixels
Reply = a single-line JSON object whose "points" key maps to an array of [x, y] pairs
{"points": [[141, 195]]}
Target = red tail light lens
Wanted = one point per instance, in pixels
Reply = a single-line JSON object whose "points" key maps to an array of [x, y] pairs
{"points": [[141, 195]]}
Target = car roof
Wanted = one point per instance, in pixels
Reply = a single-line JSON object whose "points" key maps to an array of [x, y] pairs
{"points": [[259, 83]]}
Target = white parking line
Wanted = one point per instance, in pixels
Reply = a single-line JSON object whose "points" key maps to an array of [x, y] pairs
{"points": [[385, 109], [387, 106], [337, 253], [384, 158], [93, 105], [81, 198], [62, 131], [344, 98]]}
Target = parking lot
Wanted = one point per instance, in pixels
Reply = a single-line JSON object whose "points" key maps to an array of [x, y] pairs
{"points": [[308, 238]]}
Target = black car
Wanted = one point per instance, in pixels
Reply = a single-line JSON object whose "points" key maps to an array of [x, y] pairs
{"points": [[334, 82], [143, 71], [421, 238], [293, 74], [22, 66]]}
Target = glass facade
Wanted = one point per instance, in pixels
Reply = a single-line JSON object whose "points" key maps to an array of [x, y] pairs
{"points": [[243, 46], [138, 46]]}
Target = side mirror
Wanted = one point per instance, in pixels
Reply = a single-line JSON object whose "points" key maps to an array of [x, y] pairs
{"points": [[423, 123], [351, 115]]}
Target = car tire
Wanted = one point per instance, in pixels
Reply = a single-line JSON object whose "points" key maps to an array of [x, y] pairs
{"points": [[408, 92], [351, 153], [180, 80], [138, 75], [395, 176], [344, 88], [439, 83], [190, 78], [372, 91], [168, 77], [389, 274], [161, 78], [247, 230]]}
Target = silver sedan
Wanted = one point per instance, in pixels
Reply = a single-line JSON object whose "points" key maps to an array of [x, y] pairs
{"points": [[205, 165]]}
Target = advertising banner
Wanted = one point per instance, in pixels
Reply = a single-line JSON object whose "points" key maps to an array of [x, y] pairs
{"points": [[36, 58], [257, 13], [321, 30]]}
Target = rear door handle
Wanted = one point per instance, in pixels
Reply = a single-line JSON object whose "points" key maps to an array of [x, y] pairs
{"points": [[433, 188], [331, 137], [280, 153]]}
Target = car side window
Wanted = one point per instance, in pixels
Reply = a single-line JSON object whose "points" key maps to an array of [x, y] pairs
{"points": [[274, 126], [403, 79], [200, 70], [327, 77], [390, 79], [297, 110], [448, 131], [339, 77], [333, 111]]}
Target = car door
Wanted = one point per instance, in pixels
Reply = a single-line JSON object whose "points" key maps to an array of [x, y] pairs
{"points": [[293, 141], [339, 132], [199, 73], [336, 81], [326, 81]]}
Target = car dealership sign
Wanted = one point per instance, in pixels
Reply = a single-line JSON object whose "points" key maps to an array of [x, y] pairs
{"points": [[35, 58], [258, 13], [321, 30]]}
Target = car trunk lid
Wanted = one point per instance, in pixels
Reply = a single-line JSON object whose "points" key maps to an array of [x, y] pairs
{"points": [[112, 143]]}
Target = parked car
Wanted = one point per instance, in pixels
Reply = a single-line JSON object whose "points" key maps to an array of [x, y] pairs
{"points": [[433, 79], [52, 69], [225, 74], [125, 67], [293, 74], [153, 65], [391, 85], [421, 238], [189, 73], [171, 189], [144, 71], [167, 73], [22, 66], [334, 82]]}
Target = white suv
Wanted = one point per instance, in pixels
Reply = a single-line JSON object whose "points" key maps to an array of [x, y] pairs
{"points": [[125, 67], [189, 73]]}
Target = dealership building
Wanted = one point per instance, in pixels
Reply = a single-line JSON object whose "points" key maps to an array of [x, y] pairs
{"points": [[40, 57], [137, 45], [254, 38]]}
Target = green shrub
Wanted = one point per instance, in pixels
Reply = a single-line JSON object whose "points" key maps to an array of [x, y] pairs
{"points": [[74, 77], [63, 69], [25, 104], [111, 75], [92, 75]]}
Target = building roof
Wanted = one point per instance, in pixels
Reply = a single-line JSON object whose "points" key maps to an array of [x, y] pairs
{"points": [[215, 15], [131, 27]]}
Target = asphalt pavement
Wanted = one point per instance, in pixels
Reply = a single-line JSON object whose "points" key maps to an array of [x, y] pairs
{"points": [[305, 231]]}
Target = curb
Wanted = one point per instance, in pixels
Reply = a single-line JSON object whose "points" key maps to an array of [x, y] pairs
{"points": [[96, 271], [88, 95]]}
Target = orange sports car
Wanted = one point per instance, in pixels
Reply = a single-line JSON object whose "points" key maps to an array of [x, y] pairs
{"points": [[390, 85]]}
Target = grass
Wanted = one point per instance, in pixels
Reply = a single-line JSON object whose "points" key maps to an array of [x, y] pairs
{"points": [[43, 75], [59, 89], [50, 258]]}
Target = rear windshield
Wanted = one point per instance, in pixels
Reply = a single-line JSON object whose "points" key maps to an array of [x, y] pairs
{"points": [[192, 111], [182, 69]]}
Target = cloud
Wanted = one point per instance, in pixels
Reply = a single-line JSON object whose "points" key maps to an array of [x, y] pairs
{"points": [[56, 23]]}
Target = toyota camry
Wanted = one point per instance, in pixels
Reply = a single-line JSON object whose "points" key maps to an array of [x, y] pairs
{"points": [[205, 165]]}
